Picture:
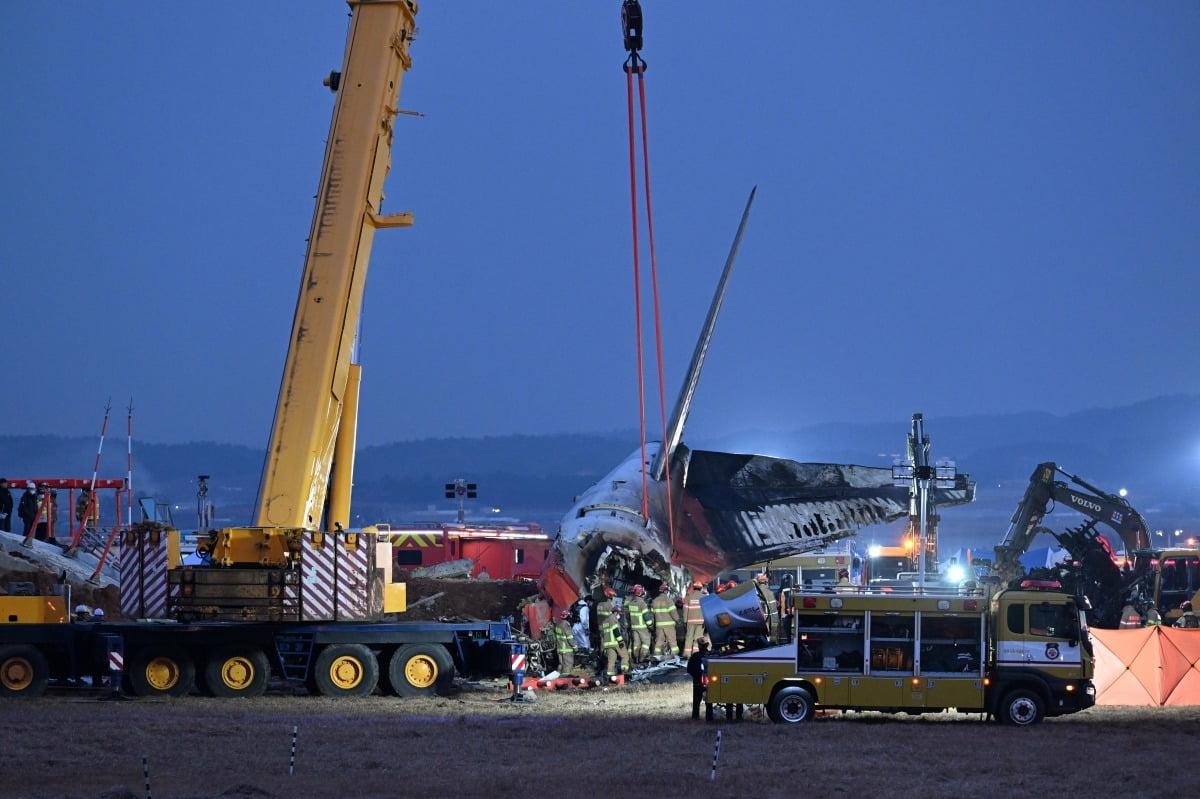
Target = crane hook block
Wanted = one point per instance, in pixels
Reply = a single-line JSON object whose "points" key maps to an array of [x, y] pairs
{"points": [[631, 21]]}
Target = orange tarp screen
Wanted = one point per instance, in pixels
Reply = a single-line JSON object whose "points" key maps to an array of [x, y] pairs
{"points": [[1148, 666]]}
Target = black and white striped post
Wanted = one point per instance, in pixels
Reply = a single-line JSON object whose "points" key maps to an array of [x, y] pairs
{"points": [[146, 775], [716, 753], [292, 763]]}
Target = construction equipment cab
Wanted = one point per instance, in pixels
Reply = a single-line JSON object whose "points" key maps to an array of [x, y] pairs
{"points": [[1019, 657]]}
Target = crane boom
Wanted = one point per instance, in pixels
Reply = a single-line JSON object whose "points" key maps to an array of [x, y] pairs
{"points": [[315, 416]]}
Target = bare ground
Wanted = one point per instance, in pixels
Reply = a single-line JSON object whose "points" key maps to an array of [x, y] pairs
{"points": [[635, 741]]}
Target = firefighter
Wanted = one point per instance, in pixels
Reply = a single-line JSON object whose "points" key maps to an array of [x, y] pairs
{"points": [[564, 641], [639, 630], [693, 618], [613, 644], [86, 512], [665, 616], [766, 598], [604, 607], [1188, 619]]}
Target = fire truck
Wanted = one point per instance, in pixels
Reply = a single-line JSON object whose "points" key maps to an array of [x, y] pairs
{"points": [[1019, 657], [500, 551]]}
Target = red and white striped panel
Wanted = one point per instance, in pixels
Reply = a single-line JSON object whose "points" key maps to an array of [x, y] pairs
{"points": [[334, 583], [144, 578]]}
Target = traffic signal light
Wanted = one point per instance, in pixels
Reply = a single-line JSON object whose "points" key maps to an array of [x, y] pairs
{"points": [[471, 491], [449, 490]]}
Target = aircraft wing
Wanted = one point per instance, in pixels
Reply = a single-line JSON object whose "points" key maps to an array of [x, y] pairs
{"points": [[742, 509]]}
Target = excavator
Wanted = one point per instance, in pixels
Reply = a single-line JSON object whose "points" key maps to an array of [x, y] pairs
{"points": [[1093, 569]]}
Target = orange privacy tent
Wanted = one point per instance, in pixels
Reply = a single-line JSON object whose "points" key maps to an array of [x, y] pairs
{"points": [[1147, 666]]}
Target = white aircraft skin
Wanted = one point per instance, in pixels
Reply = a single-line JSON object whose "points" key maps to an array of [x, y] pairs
{"points": [[729, 510]]}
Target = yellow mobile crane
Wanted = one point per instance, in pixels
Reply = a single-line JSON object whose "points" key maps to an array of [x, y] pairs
{"points": [[311, 452], [295, 596]]}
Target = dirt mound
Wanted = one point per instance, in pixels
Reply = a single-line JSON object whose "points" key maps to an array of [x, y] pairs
{"points": [[466, 600], [20, 575]]}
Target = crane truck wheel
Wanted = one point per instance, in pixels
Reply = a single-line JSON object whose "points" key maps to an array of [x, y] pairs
{"points": [[791, 705], [420, 670], [1022, 708], [346, 670], [23, 671], [165, 670], [235, 672]]}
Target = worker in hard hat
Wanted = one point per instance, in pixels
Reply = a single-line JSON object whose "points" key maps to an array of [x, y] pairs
{"points": [[1188, 619], [27, 508], [605, 606], [564, 642], [639, 627], [666, 637], [87, 513], [83, 613], [693, 619], [612, 642], [98, 614]]}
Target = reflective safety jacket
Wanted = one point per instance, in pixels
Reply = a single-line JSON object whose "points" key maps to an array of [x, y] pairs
{"points": [[637, 612], [665, 614], [691, 607]]}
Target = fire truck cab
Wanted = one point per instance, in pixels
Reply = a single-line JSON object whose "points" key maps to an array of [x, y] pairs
{"points": [[1019, 657]]}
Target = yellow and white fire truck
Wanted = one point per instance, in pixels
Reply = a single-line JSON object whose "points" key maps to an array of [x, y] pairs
{"points": [[1018, 657]]}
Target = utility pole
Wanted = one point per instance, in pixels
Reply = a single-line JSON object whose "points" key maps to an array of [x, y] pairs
{"points": [[463, 491]]}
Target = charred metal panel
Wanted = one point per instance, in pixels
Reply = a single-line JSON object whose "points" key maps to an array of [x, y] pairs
{"points": [[756, 507]]}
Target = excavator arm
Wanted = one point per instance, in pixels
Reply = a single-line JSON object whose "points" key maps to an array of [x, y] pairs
{"points": [[1094, 570]]}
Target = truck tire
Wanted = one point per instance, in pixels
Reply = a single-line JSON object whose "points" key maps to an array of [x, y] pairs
{"points": [[420, 670], [24, 671], [161, 670], [346, 670], [236, 672], [1022, 708], [791, 705]]}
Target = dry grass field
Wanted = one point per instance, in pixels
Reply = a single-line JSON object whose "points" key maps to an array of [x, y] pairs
{"points": [[632, 741]]}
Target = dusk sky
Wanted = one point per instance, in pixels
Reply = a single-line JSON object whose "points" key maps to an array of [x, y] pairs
{"points": [[963, 208]]}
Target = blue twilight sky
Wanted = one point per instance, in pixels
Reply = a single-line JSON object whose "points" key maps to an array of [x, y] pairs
{"points": [[963, 208]]}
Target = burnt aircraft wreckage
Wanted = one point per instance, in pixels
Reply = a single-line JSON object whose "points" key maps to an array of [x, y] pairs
{"points": [[702, 512]]}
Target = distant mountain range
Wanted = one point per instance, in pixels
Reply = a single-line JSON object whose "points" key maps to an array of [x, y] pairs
{"points": [[1151, 448]]}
